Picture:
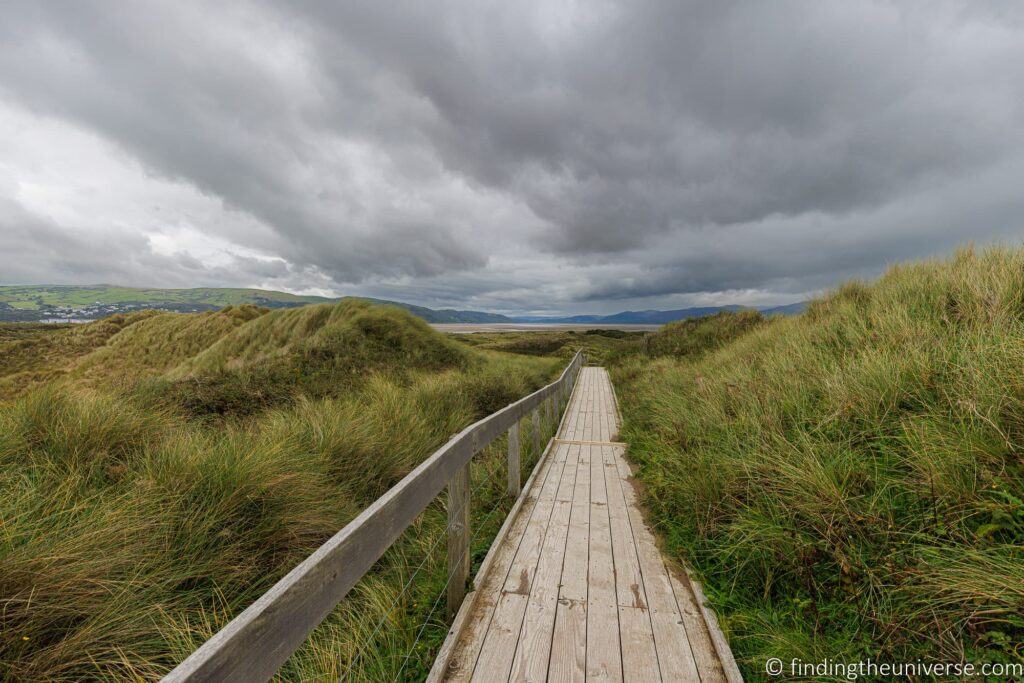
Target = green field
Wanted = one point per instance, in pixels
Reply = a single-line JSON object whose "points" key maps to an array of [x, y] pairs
{"points": [[77, 297]]}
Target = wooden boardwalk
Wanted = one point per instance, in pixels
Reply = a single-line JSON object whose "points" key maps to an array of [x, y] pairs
{"points": [[576, 588]]}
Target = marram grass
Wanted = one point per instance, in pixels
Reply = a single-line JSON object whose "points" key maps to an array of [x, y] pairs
{"points": [[849, 483], [132, 528]]}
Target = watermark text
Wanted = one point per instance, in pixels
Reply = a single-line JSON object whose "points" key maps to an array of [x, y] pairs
{"points": [[869, 668]]}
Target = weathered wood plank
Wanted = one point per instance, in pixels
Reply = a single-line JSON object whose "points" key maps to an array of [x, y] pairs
{"points": [[698, 634], [531, 658], [722, 649], [524, 566], [502, 636], [629, 583], [568, 658], [675, 654], [639, 656], [499, 646], [604, 650]]}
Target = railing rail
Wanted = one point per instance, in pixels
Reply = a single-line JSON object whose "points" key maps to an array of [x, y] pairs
{"points": [[254, 645]]}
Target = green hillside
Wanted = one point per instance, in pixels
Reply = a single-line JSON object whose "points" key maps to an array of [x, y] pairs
{"points": [[36, 297], [848, 483], [33, 303]]}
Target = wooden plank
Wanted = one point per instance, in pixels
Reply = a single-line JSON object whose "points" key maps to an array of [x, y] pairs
{"points": [[255, 644], [588, 414], [523, 507], [576, 566], [568, 658], [639, 656], [697, 632], [525, 564], [630, 590], [725, 656], [458, 539], [514, 469], [607, 407], [604, 658], [592, 443], [499, 645], [675, 654], [534, 647]]}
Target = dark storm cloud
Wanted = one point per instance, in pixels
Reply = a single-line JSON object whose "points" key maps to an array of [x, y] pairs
{"points": [[622, 150]]}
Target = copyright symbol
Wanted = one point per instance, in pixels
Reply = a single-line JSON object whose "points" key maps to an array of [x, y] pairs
{"points": [[773, 667]]}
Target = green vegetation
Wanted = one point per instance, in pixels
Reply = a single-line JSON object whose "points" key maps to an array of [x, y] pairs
{"points": [[601, 346], [160, 471], [848, 483], [34, 296], [34, 353], [696, 336]]}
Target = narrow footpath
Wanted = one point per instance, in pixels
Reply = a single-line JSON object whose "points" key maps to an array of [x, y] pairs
{"points": [[578, 589]]}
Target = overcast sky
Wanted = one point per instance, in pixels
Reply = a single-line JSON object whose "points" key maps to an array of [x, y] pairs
{"points": [[587, 156]]}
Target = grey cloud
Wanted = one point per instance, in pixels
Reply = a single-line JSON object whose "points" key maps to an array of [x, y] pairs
{"points": [[674, 114], [36, 249], [635, 150]]}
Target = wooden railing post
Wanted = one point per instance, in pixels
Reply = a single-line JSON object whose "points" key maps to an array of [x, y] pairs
{"points": [[458, 539], [535, 421], [514, 471]]}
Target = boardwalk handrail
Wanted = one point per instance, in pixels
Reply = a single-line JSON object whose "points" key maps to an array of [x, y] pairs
{"points": [[254, 645]]}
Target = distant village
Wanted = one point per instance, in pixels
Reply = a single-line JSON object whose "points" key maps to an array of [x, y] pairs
{"points": [[89, 312]]}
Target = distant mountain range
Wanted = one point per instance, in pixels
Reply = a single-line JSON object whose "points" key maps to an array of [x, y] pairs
{"points": [[652, 317], [34, 303], [447, 315]]}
